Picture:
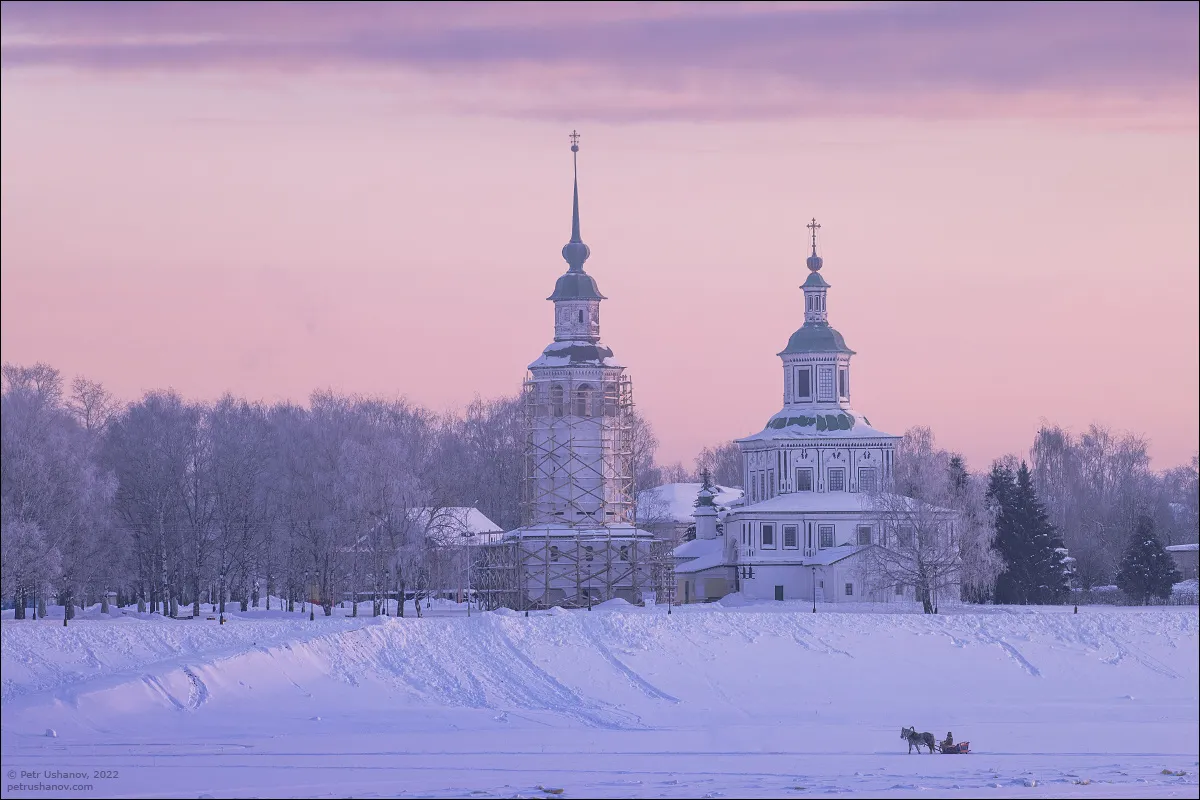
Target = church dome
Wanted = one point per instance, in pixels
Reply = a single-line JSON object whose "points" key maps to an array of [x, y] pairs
{"points": [[816, 337], [576, 286]]}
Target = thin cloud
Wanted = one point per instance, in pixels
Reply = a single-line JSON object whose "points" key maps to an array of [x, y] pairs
{"points": [[673, 60]]}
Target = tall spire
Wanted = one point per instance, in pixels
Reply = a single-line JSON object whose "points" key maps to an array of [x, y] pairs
{"points": [[575, 252]]}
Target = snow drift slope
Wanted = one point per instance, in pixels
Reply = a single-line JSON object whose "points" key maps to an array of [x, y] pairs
{"points": [[715, 697]]}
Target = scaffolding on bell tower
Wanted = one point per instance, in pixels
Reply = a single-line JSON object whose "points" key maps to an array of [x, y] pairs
{"points": [[578, 449]]}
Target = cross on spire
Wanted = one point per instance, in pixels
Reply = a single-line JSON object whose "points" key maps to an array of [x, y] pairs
{"points": [[814, 226], [574, 141]]}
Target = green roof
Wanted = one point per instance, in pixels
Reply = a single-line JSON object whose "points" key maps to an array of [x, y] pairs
{"points": [[816, 337]]}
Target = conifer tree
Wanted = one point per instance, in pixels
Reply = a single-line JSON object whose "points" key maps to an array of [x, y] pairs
{"points": [[1047, 568], [1146, 569], [1035, 570], [1009, 544]]}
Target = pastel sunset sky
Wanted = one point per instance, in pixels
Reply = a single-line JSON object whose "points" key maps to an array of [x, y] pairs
{"points": [[272, 198]]}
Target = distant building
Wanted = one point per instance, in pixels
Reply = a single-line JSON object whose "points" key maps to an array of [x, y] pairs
{"points": [[577, 544], [668, 510], [811, 476], [1185, 557]]}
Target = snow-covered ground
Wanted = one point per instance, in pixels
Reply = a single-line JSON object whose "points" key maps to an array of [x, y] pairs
{"points": [[765, 700]]}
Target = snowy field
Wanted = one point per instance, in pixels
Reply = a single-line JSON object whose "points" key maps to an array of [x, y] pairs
{"points": [[763, 700]]}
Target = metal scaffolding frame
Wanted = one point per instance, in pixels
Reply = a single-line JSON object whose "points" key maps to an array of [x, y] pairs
{"points": [[578, 545], [574, 569], [578, 466]]}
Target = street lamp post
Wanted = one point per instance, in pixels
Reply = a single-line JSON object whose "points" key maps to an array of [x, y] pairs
{"points": [[469, 537], [304, 596], [814, 583], [221, 597]]}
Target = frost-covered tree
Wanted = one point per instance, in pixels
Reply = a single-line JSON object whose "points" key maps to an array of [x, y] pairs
{"points": [[933, 525], [1147, 570], [723, 462], [55, 501]]}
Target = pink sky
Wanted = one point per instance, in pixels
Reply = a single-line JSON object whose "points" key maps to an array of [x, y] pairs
{"points": [[269, 200]]}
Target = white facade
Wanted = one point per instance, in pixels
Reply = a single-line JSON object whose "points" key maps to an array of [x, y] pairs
{"points": [[577, 544], [806, 523]]}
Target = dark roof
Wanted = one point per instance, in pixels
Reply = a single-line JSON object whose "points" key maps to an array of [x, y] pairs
{"points": [[576, 286], [578, 352], [816, 337]]}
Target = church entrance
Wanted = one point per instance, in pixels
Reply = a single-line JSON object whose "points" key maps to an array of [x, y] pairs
{"points": [[778, 592]]}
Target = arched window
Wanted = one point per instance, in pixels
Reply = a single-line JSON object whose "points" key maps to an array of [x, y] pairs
{"points": [[556, 400], [583, 401]]}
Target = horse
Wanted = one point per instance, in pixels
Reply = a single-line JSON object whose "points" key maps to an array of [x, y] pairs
{"points": [[915, 739]]}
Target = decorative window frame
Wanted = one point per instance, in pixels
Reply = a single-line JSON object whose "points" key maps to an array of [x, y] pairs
{"points": [[841, 473], [794, 531], [824, 530], [766, 529]]}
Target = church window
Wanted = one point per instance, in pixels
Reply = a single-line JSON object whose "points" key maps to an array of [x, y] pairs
{"points": [[837, 479], [849, 590], [790, 537], [762, 486], [804, 479], [825, 535], [864, 534], [825, 384], [771, 482], [590, 552], [581, 316], [803, 383], [624, 552], [843, 383], [867, 479], [554, 552], [768, 536], [905, 537], [899, 590], [583, 401], [556, 400]]}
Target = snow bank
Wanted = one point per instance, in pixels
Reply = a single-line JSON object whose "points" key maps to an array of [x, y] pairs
{"points": [[733, 697]]}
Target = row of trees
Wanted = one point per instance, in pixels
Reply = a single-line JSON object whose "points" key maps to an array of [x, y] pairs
{"points": [[170, 502]]}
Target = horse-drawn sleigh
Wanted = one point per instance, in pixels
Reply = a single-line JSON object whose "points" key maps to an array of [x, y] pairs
{"points": [[947, 746]]}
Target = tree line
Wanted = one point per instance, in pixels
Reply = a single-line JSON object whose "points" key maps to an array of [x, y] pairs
{"points": [[168, 502]]}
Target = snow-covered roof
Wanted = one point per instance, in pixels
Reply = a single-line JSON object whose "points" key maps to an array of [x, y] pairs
{"points": [[569, 353], [822, 502], [1183, 548], [457, 524], [451, 525], [697, 547], [820, 422], [707, 561], [831, 555], [614, 531], [676, 502]]}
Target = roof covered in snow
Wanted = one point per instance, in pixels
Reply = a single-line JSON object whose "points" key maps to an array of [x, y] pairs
{"points": [[696, 548], [830, 422], [829, 502], [676, 502], [1183, 548], [575, 353], [699, 554], [614, 531]]}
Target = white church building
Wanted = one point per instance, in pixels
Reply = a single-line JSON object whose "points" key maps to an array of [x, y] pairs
{"points": [[578, 544], [807, 520]]}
